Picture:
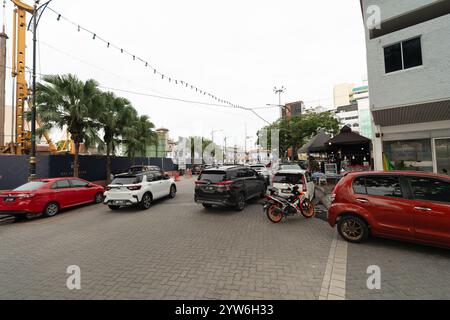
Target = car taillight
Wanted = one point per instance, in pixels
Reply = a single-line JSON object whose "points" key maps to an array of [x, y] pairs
{"points": [[134, 188], [224, 183], [199, 183]]}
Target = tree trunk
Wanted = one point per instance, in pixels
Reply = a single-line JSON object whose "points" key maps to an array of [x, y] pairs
{"points": [[108, 164], [76, 160]]}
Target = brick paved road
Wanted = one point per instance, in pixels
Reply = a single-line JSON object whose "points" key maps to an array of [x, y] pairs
{"points": [[408, 271], [175, 250]]}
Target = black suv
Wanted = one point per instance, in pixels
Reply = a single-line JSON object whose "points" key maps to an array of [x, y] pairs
{"points": [[229, 186]]}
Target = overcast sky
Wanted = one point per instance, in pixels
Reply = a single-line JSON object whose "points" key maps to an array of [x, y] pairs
{"points": [[236, 49]]}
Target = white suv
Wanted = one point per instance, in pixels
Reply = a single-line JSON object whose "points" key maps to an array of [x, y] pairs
{"points": [[285, 180], [139, 189]]}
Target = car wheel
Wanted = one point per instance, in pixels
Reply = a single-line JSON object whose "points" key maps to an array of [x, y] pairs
{"points": [[173, 192], [51, 210], [98, 198], [146, 201], [353, 229], [114, 208], [207, 206], [240, 203]]}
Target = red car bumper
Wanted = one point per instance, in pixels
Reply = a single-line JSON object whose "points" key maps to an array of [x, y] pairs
{"points": [[333, 213], [19, 207]]}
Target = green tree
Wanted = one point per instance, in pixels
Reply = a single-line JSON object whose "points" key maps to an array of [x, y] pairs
{"points": [[64, 101], [205, 143], [115, 117], [296, 131], [138, 136]]}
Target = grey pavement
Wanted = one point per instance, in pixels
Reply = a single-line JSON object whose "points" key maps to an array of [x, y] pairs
{"points": [[178, 250], [175, 250]]}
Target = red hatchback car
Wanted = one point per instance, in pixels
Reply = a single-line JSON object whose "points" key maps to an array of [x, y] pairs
{"points": [[48, 196], [410, 206]]}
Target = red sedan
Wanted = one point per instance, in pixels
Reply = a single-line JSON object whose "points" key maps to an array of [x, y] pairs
{"points": [[410, 206], [48, 197]]}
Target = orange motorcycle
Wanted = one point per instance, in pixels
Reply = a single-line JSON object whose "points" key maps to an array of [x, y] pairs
{"points": [[277, 207]]}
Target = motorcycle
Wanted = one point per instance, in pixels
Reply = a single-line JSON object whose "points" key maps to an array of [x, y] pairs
{"points": [[277, 207]]}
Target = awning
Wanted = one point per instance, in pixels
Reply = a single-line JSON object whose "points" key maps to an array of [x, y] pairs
{"points": [[419, 113], [347, 137], [316, 144]]}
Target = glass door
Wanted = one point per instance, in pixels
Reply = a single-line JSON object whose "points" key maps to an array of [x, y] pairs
{"points": [[442, 148]]}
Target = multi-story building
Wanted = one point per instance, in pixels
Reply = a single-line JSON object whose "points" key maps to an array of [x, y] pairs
{"points": [[342, 94], [293, 109], [408, 57], [356, 114]]}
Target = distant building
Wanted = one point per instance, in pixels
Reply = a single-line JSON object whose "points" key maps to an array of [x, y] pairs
{"points": [[161, 148], [342, 94], [293, 109], [409, 78]]}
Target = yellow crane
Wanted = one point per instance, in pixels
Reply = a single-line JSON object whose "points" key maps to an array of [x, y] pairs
{"points": [[23, 137]]}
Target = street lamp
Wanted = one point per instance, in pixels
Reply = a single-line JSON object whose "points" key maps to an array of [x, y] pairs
{"points": [[37, 13], [225, 152], [279, 92]]}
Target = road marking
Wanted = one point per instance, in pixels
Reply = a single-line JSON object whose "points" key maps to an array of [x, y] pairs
{"points": [[334, 279]]}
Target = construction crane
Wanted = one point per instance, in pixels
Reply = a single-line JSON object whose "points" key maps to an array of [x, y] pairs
{"points": [[23, 137]]}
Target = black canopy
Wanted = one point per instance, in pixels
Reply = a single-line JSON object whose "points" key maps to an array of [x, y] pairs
{"points": [[346, 138], [316, 144]]}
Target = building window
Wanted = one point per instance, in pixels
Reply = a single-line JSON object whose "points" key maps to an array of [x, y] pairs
{"points": [[414, 155], [403, 55]]}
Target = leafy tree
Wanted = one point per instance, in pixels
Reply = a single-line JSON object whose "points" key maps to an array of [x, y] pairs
{"points": [[115, 117], [64, 101], [296, 131], [138, 136]]}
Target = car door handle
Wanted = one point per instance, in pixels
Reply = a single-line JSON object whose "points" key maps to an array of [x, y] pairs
{"points": [[423, 209], [360, 200]]}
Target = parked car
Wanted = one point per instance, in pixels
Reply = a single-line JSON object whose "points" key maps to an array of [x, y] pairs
{"points": [[139, 189], [261, 169], [229, 186], [285, 180], [48, 196], [411, 206]]}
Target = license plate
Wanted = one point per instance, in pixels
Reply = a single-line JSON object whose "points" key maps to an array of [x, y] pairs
{"points": [[119, 202], [286, 191], [209, 189], [10, 199]]}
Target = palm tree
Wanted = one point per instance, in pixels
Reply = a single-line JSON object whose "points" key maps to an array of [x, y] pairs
{"points": [[114, 118], [64, 101], [139, 136]]}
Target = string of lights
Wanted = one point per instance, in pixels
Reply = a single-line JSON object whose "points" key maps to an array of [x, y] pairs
{"points": [[146, 64]]}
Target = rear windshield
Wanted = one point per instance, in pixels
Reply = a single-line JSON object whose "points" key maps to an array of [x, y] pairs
{"points": [[290, 167], [289, 178], [127, 180], [31, 186], [213, 176]]}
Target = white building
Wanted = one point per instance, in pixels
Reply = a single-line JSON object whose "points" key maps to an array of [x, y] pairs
{"points": [[409, 77], [356, 114]]}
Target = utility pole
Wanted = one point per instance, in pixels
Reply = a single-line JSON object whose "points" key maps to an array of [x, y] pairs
{"points": [[33, 107], [279, 92], [3, 38]]}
